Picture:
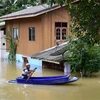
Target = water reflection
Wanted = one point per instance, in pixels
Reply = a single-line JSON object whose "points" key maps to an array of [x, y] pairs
{"points": [[83, 89]]}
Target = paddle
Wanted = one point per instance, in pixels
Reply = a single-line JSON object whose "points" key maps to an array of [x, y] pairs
{"points": [[30, 74]]}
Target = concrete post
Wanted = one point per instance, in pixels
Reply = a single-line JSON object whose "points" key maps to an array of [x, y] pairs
{"points": [[67, 69]]}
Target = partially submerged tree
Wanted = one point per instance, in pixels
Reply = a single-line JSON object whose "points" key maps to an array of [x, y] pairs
{"points": [[83, 58], [12, 46]]}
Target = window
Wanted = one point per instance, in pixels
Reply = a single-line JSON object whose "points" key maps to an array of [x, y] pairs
{"points": [[57, 34], [60, 24], [57, 24], [63, 34], [15, 33], [61, 30], [32, 34], [64, 24]]}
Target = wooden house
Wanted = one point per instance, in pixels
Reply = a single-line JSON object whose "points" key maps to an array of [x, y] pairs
{"points": [[38, 28]]}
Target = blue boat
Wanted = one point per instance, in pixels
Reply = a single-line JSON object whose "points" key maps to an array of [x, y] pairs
{"points": [[46, 80]]}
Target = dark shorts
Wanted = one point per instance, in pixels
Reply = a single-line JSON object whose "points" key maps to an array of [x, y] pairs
{"points": [[25, 76]]}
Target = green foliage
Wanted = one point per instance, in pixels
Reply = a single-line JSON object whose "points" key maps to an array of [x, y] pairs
{"points": [[12, 46], [50, 2], [9, 6], [85, 16], [86, 20], [83, 57], [6, 6]]}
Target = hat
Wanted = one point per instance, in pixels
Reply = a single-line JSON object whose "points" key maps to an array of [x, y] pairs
{"points": [[27, 64]]}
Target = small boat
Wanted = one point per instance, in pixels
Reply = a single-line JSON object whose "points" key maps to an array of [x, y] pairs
{"points": [[46, 80]]}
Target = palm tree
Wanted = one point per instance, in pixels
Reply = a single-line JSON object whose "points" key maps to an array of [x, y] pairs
{"points": [[50, 2], [27, 3], [7, 6]]}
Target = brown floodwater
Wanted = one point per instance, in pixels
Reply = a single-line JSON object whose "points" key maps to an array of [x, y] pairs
{"points": [[83, 89]]}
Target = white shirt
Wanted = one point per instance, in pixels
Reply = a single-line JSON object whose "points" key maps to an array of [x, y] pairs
{"points": [[24, 72]]}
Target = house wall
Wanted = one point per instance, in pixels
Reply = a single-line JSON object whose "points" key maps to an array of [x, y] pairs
{"points": [[44, 31], [25, 46], [48, 26]]}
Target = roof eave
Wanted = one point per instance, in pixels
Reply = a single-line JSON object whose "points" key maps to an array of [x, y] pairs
{"points": [[51, 61], [56, 62], [28, 15]]}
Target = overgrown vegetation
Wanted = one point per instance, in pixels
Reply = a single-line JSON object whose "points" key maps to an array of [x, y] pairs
{"points": [[85, 51], [83, 58], [12, 46], [9, 6]]}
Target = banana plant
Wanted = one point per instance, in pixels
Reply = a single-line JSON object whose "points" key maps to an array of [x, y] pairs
{"points": [[12, 46]]}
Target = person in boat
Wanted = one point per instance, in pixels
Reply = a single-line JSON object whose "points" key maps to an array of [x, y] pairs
{"points": [[27, 72]]}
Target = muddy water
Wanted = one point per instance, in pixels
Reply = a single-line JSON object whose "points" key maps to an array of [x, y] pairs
{"points": [[83, 89]]}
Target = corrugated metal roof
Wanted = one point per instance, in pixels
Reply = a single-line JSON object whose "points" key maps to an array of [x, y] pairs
{"points": [[53, 54], [30, 12]]}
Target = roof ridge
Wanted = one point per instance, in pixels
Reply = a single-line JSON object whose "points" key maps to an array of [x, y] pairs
{"points": [[30, 12]]}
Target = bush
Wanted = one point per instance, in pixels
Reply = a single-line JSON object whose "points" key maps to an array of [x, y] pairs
{"points": [[84, 57]]}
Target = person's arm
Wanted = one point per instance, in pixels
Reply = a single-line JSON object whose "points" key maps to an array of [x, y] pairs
{"points": [[30, 71], [33, 69]]}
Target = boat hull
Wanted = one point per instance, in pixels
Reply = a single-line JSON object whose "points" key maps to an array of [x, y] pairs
{"points": [[45, 80]]}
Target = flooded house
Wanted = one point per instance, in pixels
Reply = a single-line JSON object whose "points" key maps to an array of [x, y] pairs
{"points": [[37, 28], [54, 57]]}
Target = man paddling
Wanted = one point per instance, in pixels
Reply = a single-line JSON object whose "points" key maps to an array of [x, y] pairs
{"points": [[27, 73]]}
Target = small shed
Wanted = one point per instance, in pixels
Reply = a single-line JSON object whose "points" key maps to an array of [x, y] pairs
{"points": [[53, 57]]}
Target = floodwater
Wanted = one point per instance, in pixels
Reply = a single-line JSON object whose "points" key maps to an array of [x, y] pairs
{"points": [[83, 89]]}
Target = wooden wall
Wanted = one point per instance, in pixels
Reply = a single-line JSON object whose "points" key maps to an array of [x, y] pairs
{"points": [[44, 31], [48, 24]]}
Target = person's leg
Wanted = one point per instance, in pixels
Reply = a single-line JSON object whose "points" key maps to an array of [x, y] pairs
{"points": [[25, 76]]}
